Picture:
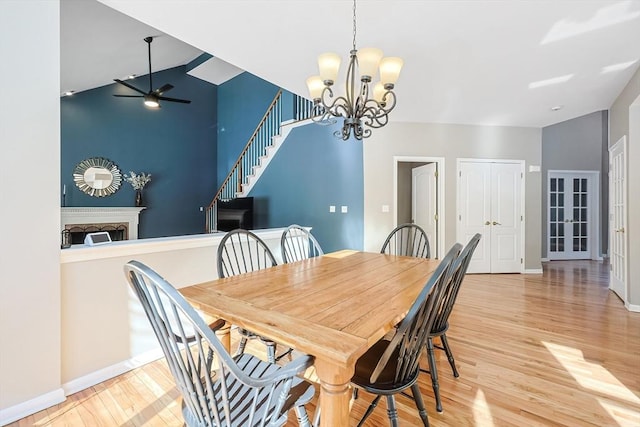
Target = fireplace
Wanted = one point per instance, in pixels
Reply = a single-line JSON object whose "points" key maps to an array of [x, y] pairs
{"points": [[120, 222]]}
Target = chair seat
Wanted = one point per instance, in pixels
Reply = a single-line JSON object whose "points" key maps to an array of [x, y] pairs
{"points": [[300, 393], [386, 382]]}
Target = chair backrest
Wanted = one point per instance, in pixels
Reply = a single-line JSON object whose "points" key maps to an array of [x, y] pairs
{"points": [[412, 333], [298, 243], [450, 294], [228, 396], [241, 251], [407, 240]]}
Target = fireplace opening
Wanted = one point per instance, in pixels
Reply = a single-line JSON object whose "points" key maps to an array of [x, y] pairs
{"points": [[77, 232]]}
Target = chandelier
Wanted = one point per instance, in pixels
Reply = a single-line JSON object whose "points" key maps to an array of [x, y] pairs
{"points": [[359, 106]]}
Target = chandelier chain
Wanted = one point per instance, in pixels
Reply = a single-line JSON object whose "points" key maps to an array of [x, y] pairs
{"points": [[354, 24]]}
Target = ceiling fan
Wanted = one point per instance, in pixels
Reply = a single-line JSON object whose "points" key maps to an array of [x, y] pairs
{"points": [[153, 97]]}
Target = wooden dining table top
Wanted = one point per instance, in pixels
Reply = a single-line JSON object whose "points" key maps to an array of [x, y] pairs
{"points": [[333, 307]]}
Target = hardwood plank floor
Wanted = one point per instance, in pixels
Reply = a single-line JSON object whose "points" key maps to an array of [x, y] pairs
{"points": [[557, 349]]}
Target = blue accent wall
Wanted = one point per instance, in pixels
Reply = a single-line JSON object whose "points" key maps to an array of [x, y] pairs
{"points": [[176, 144], [311, 171], [242, 102]]}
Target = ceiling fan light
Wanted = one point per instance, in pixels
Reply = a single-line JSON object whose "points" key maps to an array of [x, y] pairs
{"points": [[151, 102]]}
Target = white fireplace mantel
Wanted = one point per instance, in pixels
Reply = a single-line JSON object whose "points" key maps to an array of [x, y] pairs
{"points": [[99, 215]]}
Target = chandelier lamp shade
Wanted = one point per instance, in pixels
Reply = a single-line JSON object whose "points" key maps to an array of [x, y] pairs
{"points": [[364, 105]]}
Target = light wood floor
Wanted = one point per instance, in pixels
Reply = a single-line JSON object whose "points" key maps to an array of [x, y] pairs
{"points": [[557, 349]]}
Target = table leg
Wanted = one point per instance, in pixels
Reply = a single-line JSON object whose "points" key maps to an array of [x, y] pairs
{"points": [[224, 334], [335, 393]]}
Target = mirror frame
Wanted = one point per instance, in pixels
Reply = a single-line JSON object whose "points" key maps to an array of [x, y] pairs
{"points": [[97, 162]]}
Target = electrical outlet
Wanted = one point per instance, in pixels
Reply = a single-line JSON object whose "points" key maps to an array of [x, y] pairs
{"points": [[385, 208], [201, 209]]}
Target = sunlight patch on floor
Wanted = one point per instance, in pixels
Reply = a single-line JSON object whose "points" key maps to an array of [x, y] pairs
{"points": [[620, 403], [481, 411]]}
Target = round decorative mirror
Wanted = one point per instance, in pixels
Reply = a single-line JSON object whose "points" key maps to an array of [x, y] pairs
{"points": [[97, 176]]}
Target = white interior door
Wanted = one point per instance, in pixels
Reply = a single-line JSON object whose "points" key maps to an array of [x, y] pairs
{"points": [[506, 219], [617, 218], [571, 200], [474, 191], [424, 202], [490, 200]]}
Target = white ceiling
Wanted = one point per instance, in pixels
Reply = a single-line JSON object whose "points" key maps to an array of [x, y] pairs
{"points": [[466, 61]]}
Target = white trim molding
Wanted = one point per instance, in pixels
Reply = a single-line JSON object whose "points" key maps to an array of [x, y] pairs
{"points": [[37, 404], [633, 307], [109, 372]]}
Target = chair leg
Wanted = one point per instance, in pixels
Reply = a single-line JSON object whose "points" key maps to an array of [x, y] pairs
{"points": [[392, 412], [447, 350], [417, 397], [271, 351], [433, 371], [301, 415], [369, 410], [241, 346], [286, 353]]}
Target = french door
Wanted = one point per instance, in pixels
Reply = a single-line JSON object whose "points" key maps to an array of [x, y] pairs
{"points": [[571, 200]]}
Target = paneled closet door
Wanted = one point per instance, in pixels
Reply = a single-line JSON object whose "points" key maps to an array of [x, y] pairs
{"points": [[490, 200], [570, 197]]}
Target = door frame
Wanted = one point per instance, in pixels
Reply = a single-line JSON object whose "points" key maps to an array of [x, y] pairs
{"points": [[523, 197], [594, 211], [440, 185]]}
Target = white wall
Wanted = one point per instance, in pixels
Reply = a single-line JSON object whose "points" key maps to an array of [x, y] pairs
{"points": [[624, 119], [104, 329], [450, 142], [30, 214]]}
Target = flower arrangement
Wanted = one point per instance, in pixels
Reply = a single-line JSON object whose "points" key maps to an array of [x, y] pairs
{"points": [[138, 181]]}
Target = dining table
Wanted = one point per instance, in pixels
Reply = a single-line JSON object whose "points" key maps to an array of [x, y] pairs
{"points": [[333, 307]]}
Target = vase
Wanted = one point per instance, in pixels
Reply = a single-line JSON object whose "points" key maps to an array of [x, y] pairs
{"points": [[138, 198]]}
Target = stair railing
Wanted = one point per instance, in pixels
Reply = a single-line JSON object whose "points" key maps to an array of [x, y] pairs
{"points": [[256, 147]]}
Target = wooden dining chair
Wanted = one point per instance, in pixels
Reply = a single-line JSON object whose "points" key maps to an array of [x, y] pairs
{"points": [[241, 251], [297, 243], [391, 366], [407, 240], [443, 311], [234, 391]]}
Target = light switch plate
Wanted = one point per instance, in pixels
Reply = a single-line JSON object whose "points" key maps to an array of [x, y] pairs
{"points": [[332, 209], [344, 209], [385, 208]]}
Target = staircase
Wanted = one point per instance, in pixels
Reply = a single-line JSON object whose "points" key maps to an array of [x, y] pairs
{"points": [[256, 155]]}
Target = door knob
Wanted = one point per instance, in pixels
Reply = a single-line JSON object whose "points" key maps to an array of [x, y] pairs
{"points": [[487, 223], [496, 223]]}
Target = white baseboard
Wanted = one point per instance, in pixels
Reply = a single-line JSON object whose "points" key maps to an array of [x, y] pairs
{"points": [[109, 372], [533, 271], [544, 259], [633, 307], [31, 406]]}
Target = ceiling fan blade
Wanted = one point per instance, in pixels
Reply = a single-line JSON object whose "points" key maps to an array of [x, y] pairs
{"points": [[184, 101], [129, 86], [163, 89], [129, 96]]}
